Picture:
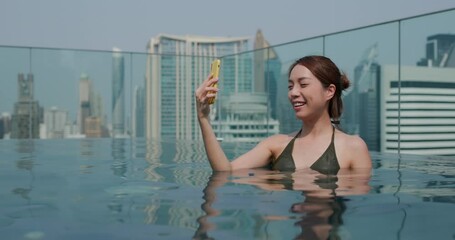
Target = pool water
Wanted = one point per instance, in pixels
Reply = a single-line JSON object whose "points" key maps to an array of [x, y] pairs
{"points": [[133, 189]]}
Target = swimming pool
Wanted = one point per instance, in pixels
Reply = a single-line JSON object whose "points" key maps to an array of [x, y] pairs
{"points": [[132, 189]]}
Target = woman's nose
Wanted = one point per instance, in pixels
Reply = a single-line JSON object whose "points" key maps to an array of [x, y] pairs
{"points": [[294, 91]]}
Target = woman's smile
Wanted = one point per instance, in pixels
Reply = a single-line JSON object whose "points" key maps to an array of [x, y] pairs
{"points": [[298, 105]]}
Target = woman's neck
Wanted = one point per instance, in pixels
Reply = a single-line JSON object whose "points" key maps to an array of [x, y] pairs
{"points": [[316, 126]]}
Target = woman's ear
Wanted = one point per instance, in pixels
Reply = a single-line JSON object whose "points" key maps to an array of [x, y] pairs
{"points": [[330, 91]]}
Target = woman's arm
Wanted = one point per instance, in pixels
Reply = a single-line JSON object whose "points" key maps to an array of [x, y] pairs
{"points": [[257, 157], [360, 154]]}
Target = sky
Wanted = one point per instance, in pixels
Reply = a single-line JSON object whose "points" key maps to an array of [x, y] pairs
{"points": [[128, 25]]}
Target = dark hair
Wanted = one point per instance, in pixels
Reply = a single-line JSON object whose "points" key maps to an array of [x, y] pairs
{"points": [[327, 73]]}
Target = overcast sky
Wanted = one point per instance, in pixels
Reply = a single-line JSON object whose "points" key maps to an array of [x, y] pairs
{"points": [[128, 25]]}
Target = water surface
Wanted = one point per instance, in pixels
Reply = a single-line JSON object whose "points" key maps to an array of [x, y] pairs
{"points": [[133, 189]]}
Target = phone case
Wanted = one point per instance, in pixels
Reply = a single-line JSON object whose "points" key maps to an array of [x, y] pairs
{"points": [[214, 71]]}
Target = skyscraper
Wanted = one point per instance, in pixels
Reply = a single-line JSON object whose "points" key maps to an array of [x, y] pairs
{"points": [[361, 114], [245, 118], [171, 80], [267, 71], [267, 76], [93, 128], [26, 118], [440, 51], [85, 88], [418, 111], [138, 122], [118, 93], [5, 125], [54, 124], [90, 106]]}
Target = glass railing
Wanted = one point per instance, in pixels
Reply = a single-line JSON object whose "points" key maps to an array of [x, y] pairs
{"points": [[402, 74], [401, 98]]}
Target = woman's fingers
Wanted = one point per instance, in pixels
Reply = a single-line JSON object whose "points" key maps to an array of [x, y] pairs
{"points": [[211, 81], [204, 93], [206, 89]]}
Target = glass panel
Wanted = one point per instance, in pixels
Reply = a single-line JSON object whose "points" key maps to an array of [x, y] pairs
{"points": [[427, 93], [16, 99], [369, 57], [82, 94], [242, 112]]}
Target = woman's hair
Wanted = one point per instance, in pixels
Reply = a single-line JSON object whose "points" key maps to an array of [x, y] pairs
{"points": [[327, 73]]}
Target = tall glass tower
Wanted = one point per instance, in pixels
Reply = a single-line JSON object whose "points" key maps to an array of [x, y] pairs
{"points": [[118, 93], [138, 122], [361, 112], [27, 112], [176, 65]]}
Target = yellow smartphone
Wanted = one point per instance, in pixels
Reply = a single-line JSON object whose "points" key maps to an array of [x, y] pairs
{"points": [[214, 71]]}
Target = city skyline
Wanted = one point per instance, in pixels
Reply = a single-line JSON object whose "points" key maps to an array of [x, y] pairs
{"points": [[61, 68], [180, 55]]}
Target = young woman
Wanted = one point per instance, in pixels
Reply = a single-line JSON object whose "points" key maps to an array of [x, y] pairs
{"points": [[315, 85]]}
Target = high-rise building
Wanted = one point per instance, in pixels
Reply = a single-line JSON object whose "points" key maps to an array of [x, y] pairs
{"points": [[361, 113], [418, 112], [245, 118], [54, 124], [118, 93], [90, 106], [175, 67], [85, 89], [267, 71], [93, 128], [27, 112], [5, 125], [418, 108], [261, 54], [138, 122], [440, 51]]}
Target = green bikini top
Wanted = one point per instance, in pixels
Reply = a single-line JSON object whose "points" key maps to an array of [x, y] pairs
{"points": [[326, 164]]}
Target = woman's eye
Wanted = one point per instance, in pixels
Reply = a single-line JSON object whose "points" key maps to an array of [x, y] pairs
{"points": [[290, 87], [303, 85]]}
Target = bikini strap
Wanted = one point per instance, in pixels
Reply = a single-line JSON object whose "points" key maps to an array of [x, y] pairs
{"points": [[298, 134]]}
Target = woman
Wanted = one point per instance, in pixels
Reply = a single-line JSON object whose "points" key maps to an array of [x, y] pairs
{"points": [[315, 85]]}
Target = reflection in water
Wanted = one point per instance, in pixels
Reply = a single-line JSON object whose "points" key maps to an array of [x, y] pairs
{"points": [[400, 184], [189, 152], [321, 217], [151, 212], [152, 156], [87, 147], [319, 213], [26, 148], [217, 180], [119, 166]]}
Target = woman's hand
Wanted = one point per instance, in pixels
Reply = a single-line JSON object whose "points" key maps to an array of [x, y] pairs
{"points": [[203, 93]]}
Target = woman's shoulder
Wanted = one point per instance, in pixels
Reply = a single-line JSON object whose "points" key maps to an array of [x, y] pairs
{"points": [[352, 150], [351, 142], [277, 140], [283, 136]]}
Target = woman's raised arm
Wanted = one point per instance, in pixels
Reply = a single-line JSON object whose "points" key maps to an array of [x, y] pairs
{"points": [[257, 157]]}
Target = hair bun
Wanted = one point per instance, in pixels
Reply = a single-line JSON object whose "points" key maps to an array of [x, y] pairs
{"points": [[344, 82]]}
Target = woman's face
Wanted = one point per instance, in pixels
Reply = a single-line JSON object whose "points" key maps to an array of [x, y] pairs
{"points": [[305, 92]]}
